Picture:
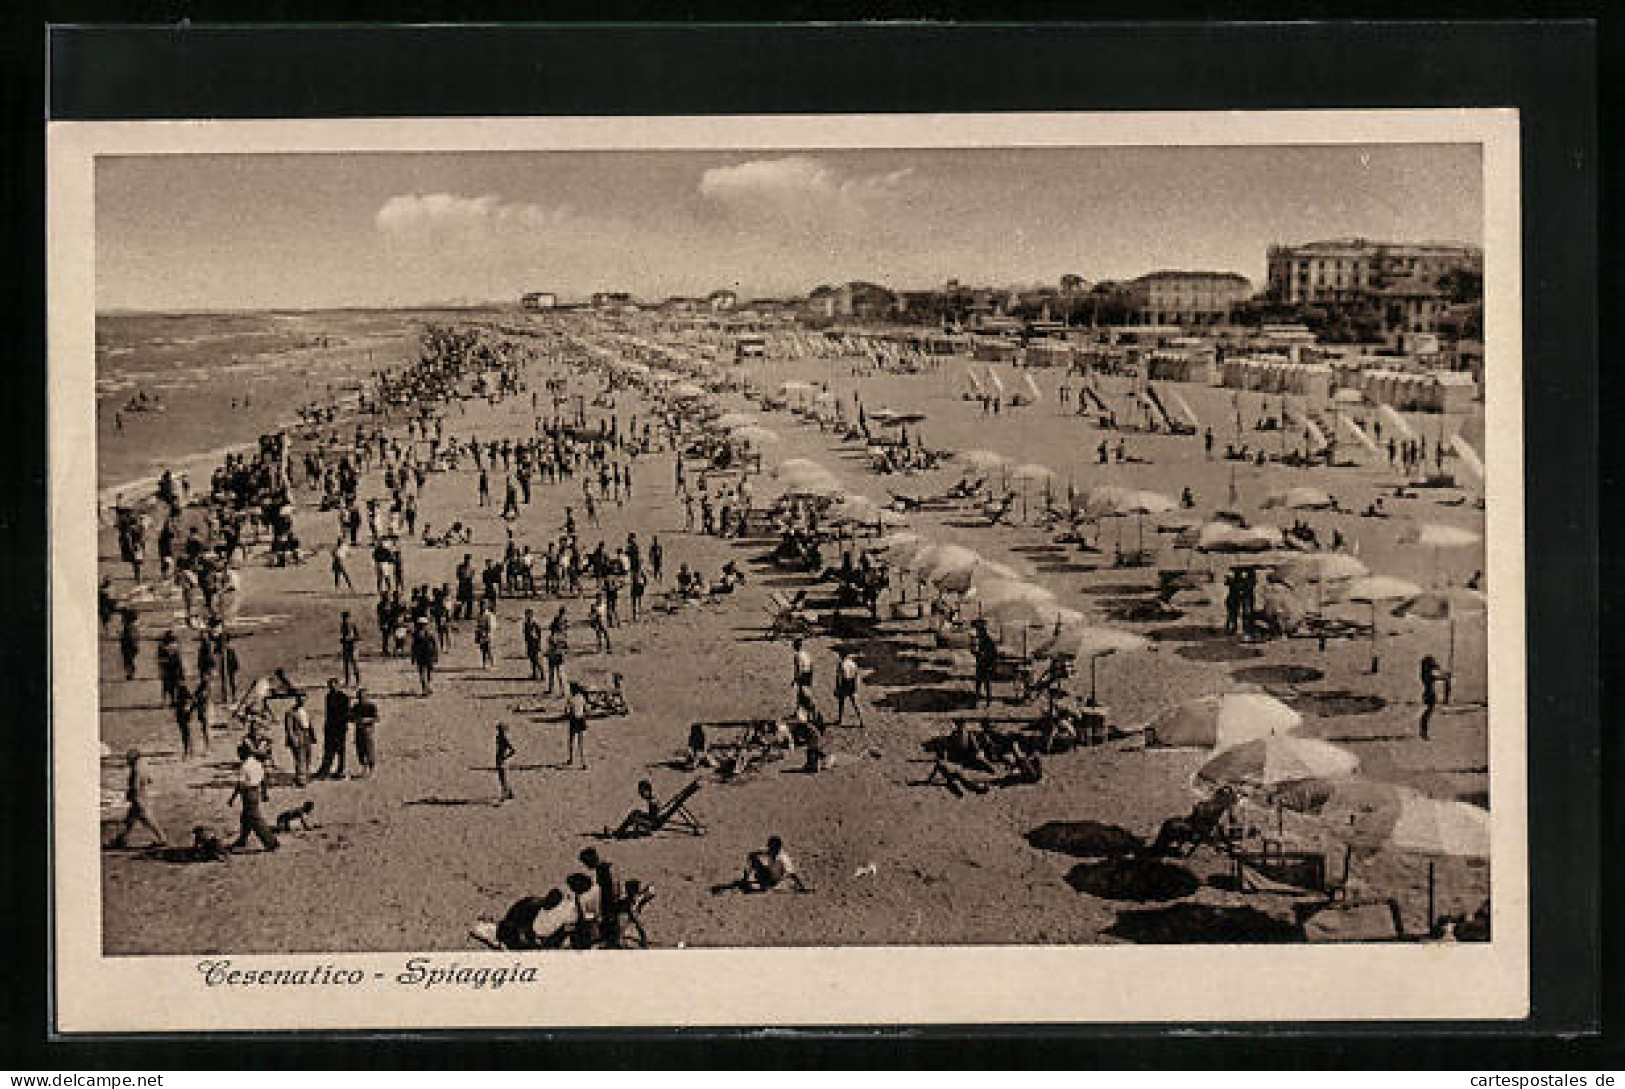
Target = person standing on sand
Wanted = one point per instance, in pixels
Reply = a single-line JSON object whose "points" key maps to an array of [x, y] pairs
{"points": [[183, 704], [349, 637], [598, 615], [657, 556], [1432, 675], [846, 689], [341, 573], [484, 631], [364, 717], [425, 654], [251, 791], [986, 653], [533, 644], [300, 738], [138, 792], [557, 644], [505, 752], [129, 642], [575, 714], [335, 731], [801, 673]]}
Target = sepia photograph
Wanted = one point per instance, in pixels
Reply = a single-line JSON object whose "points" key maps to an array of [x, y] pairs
{"points": [[512, 553]]}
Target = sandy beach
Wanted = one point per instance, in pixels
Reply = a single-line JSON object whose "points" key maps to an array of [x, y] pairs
{"points": [[409, 858]]}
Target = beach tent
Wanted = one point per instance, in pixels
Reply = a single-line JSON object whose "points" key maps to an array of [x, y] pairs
{"points": [[1184, 408], [1032, 386], [1395, 422], [1358, 432], [1469, 457]]}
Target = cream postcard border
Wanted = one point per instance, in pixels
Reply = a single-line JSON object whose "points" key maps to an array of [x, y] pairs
{"points": [[751, 987]]}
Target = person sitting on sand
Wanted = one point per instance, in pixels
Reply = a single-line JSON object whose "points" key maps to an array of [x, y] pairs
{"points": [[766, 871], [640, 821], [697, 753], [533, 922]]}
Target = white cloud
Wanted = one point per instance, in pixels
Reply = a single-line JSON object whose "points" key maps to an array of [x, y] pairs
{"points": [[800, 189], [442, 216]]}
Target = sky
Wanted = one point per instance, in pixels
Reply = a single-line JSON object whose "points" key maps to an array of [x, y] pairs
{"points": [[226, 232]]}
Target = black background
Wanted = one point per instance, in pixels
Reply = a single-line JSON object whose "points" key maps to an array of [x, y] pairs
{"points": [[1548, 71]]}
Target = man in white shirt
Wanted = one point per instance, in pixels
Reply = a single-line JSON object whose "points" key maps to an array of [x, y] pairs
{"points": [[300, 738], [250, 792]]}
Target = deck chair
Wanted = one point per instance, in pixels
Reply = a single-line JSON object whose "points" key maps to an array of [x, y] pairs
{"points": [[674, 814], [607, 701], [789, 615], [997, 510], [1203, 826]]}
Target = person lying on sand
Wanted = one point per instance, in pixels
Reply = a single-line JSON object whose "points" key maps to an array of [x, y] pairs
{"points": [[766, 871]]}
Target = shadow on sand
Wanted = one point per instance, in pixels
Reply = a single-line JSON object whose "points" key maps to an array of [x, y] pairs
{"points": [[1191, 924]]}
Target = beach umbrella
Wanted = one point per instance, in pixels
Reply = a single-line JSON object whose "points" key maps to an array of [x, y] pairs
{"points": [[1277, 759], [1225, 537], [1093, 642], [941, 560], [992, 593], [896, 548], [1377, 816], [1321, 567], [1031, 474], [1435, 537], [753, 435], [982, 462], [1141, 503], [1377, 590], [1221, 722], [794, 467], [1299, 498], [1446, 605]]}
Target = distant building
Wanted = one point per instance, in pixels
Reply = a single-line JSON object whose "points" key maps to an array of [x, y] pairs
{"points": [[1179, 298], [611, 300], [683, 304], [1355, 268], [857, 300], [539, 300], [722, 301]]}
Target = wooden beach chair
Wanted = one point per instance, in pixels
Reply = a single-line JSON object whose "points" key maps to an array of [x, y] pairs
{"points": [[789, 616], [607, 700], [675, 814]]}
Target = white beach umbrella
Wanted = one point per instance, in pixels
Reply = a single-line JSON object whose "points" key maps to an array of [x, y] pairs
{"points": [[753, 435], [1279, 759], [1299, 498], [1221, 722], [1377, 590], [1093, 642]]}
